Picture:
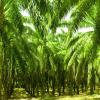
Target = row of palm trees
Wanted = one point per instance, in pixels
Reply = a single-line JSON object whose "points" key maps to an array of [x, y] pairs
{"points": [[42, 61]]}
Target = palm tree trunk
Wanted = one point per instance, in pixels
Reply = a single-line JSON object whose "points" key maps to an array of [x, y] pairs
{"points": [[0, 91], [92, 81], [53, 85], [77, 89]]}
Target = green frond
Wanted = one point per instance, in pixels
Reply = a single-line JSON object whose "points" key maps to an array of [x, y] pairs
{"points": [[80, 12]]}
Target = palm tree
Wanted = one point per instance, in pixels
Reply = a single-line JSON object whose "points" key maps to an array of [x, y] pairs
{"points": [[8, 23], [79, 13]]}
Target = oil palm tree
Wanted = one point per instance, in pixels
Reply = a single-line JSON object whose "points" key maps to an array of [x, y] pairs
{"points": [[79, 15], [10, 28]]}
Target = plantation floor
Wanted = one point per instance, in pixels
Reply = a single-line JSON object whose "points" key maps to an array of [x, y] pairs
{"points": [[21, 94]]}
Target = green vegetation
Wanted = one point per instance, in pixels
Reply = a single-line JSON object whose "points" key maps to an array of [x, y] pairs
{"points": [[35, 57]]}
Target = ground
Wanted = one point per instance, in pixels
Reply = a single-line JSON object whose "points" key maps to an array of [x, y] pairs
{"points": [[21, 94]]}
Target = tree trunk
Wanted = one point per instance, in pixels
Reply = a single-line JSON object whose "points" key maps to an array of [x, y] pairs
{"points": [[53, 86]]}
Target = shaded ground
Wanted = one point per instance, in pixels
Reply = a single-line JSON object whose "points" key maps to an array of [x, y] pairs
{"points": [[21, 94]]}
